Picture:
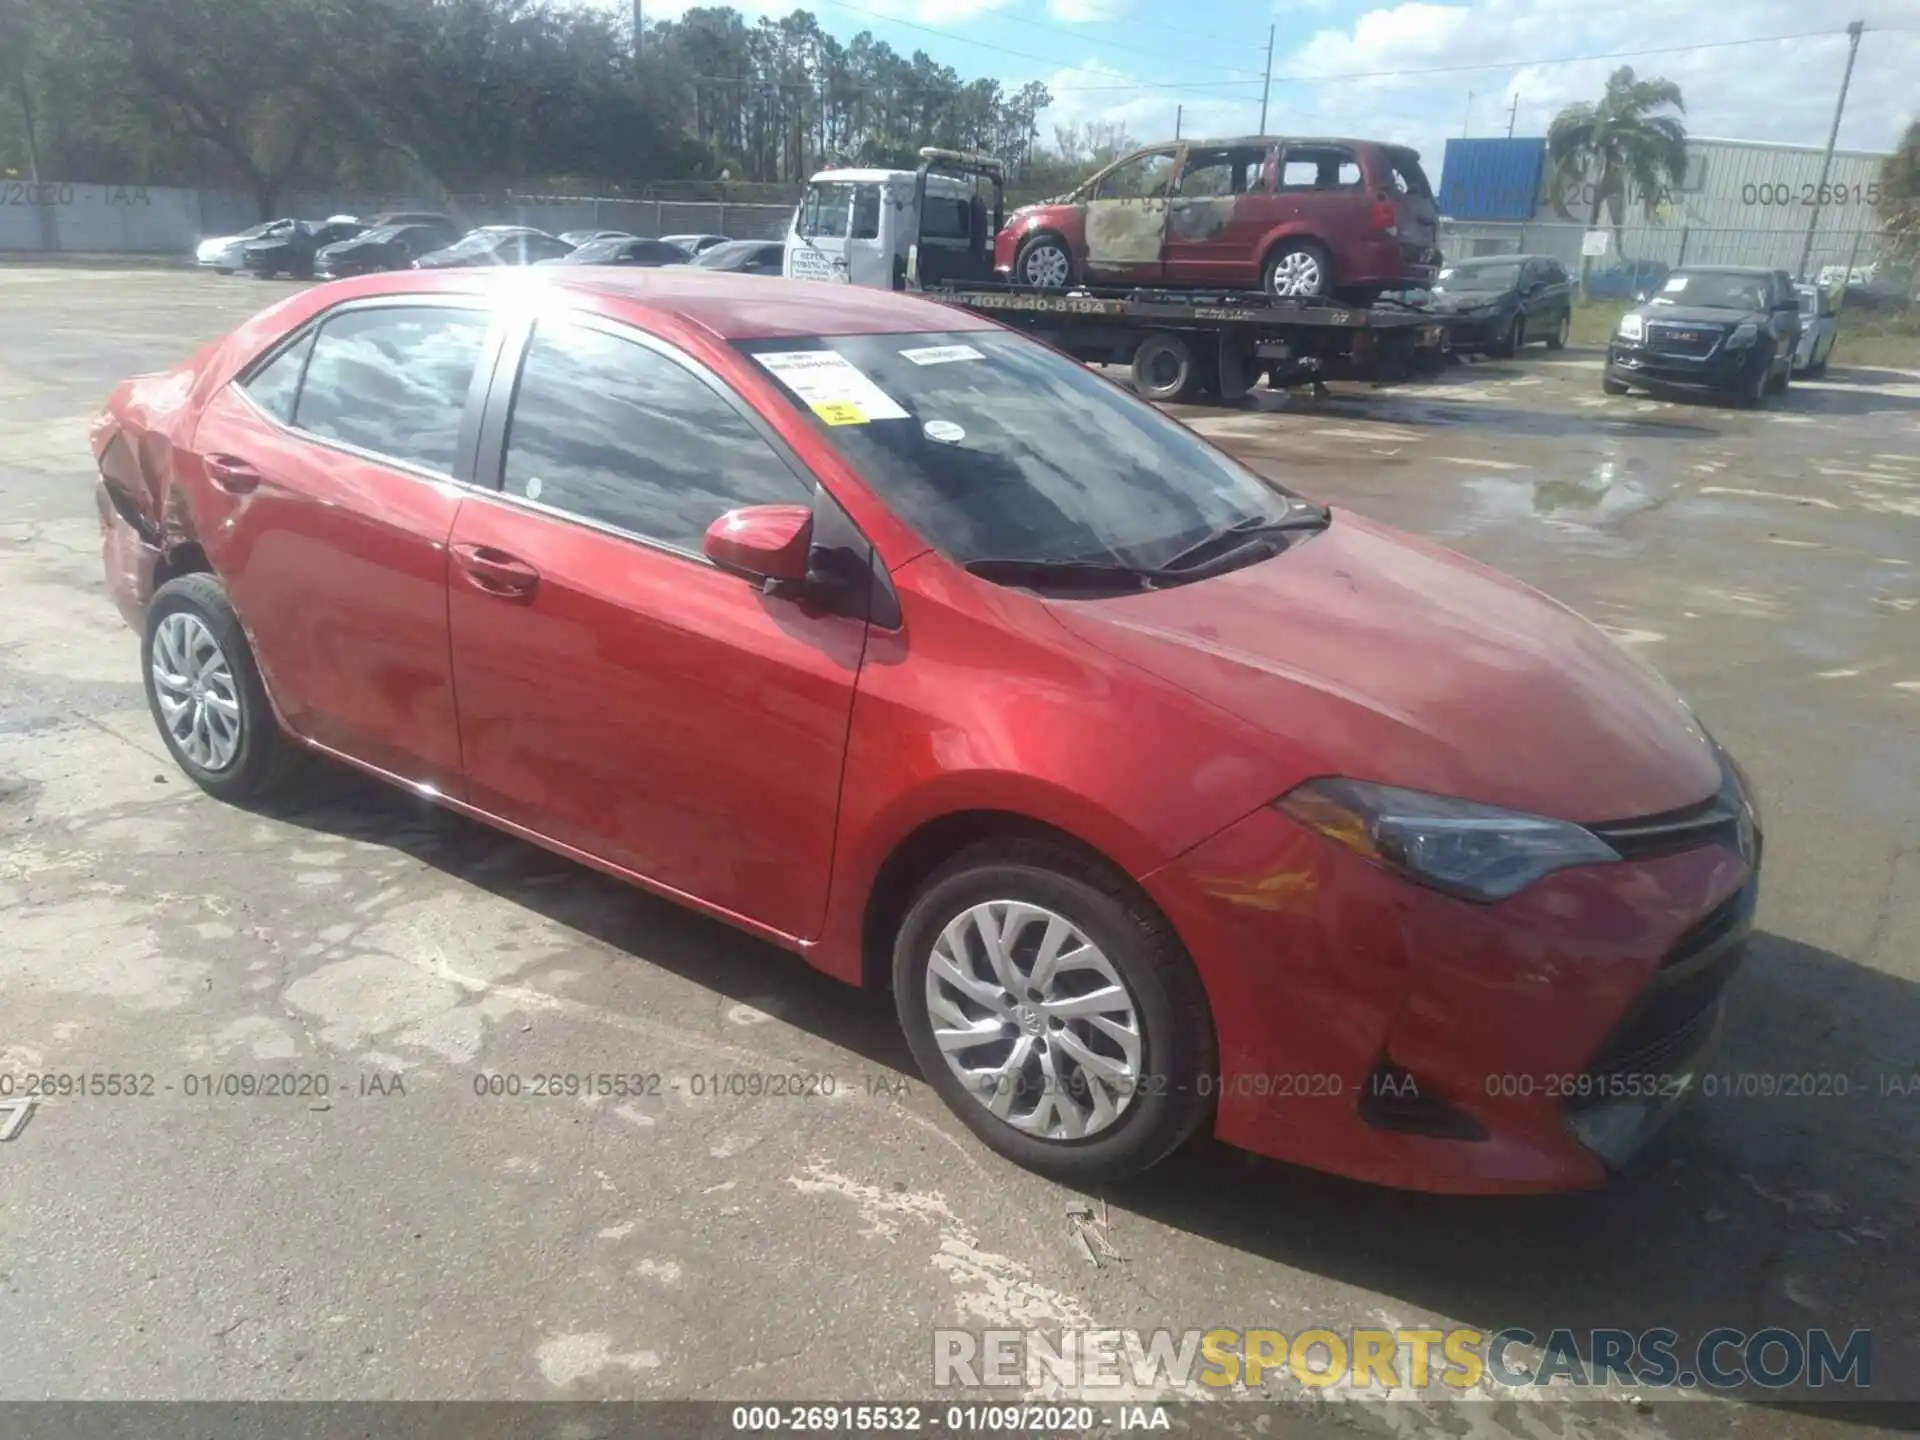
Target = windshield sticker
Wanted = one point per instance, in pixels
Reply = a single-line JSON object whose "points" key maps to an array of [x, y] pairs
{"points": [[941, 354], [1675, 285], [945, 431], [831, 386]]}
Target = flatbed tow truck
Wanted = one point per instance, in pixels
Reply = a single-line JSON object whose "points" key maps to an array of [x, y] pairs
{"points": [[928, 230]]}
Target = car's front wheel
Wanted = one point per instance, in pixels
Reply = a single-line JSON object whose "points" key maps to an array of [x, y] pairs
{"points": [[1044, 263], [1055, 1011], [1561, 330], [206, 695], [1755, 385]]}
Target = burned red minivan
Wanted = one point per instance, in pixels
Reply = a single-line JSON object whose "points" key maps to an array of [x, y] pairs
{"points": [[1308, 218]]}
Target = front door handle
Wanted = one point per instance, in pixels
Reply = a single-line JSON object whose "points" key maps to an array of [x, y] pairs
{"points": [[495, 572], [232, 474]]}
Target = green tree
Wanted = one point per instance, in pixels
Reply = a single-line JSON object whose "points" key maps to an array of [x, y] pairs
{"points": [[1900, 206], [1619, 149]]}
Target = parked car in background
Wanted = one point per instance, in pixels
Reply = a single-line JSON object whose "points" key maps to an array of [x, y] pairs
{"points": [[1819, 328], [1727, 330], [583, 237], [223, 253], [909, 644], [696, 244], [1499, 303], [418, 217], [497, 245], [746, 257], [632, 250], [1627, 280], [1306, 218], [382, 247], [292, 252]]}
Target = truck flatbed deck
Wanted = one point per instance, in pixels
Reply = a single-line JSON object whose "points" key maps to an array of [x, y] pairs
{"points": [[1181, 343]]}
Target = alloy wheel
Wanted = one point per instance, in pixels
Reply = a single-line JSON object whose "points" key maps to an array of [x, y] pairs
{"points": [[1296, 273], [194, 685], [1034, 1020], [1047, 267]]}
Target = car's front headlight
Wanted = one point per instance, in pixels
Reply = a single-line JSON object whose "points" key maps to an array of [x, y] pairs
{"points": [[1473, 851], [1743, 335], [1632, 328]]}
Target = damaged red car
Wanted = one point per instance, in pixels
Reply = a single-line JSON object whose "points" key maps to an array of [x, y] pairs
{"points": [[1304, 218], [1163, 799]]}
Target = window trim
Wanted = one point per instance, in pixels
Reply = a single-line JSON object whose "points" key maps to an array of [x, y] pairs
{"points": [[503, 392], [466, 438]]}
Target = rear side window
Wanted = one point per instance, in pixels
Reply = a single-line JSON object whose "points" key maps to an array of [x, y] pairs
{"points": [[612, 431], [1317, 167], [393, 381], [1406, 175], [1214, 173], [276, 385]]}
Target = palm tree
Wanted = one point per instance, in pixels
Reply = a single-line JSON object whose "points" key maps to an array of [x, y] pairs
{"points": [[1618, 148]]}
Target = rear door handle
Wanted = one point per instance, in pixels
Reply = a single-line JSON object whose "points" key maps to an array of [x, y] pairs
{"points": [[232, 474], [495, 572]]}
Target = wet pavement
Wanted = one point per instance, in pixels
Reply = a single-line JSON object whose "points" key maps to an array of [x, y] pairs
{"points": [[405, 1236]]}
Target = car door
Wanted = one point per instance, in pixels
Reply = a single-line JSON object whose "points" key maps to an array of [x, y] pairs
{"points": [[1320, 191], [618, 693], [1126, 216], [333, 472], [1221, 206]]}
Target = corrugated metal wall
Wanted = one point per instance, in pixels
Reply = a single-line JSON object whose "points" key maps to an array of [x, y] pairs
{"points": [[1491, 179]]}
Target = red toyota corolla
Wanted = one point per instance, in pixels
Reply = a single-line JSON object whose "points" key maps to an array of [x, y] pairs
{"points": [[1162, 798]]}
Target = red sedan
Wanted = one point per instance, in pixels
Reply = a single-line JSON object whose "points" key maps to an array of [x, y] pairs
{"points": [[1162, 798]]}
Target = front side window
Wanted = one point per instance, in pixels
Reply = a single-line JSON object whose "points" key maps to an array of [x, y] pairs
{"points": [[996, 448], [835, 209], [1141, 178], [393, 381], [615, 432]]}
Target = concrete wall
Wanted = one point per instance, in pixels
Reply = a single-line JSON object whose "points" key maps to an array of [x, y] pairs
{"points": [[166, 220]]}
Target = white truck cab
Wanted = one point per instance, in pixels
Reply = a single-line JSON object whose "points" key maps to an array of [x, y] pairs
{"points": [[897, 229]]}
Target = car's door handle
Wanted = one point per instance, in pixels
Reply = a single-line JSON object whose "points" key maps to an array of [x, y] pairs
{"points": [[495, 572], [232, 474]]}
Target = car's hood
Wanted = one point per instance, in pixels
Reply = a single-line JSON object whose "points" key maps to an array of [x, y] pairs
{"points": [[349, 248], [1370, 654], [1447, 300], [1702, 315]]}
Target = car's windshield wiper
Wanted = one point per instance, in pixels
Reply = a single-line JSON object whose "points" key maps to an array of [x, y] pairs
{"points": [[1231, 540], [1093, 574]]}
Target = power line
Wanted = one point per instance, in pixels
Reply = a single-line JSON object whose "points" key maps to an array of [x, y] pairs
{"points": [[1125, 19]]}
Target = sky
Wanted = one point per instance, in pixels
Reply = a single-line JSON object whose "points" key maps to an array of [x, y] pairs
{"points": [[1347, 67]]}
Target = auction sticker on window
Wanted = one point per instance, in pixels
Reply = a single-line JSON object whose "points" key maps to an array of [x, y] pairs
{"points": [[831, 386], [941, 354]]}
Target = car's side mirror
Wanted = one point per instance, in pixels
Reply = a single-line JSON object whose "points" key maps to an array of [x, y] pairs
{"points": [[769, 544]]}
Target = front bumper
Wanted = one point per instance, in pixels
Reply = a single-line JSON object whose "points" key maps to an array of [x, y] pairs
{"points": [[1475, 330], [1722, 370], [1374, 1028]]}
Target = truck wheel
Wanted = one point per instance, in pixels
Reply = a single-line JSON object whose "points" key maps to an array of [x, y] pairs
{"points": [[1300, 268], [1043, 263], [1164, 368]]}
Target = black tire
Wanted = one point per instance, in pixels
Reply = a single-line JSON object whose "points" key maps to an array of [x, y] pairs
{"points": [[1755, 387], [1516, 336], [1817, 369], [1165, 369], [1041, 246], [1778, 384], [1323, 283], [265, 760], [1612, 386], [1562, 328], [1177, 1044]]}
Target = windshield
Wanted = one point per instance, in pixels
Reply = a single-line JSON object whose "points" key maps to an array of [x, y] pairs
{"points": [[477, 243], [598, 250], [734, 255], [994, 447], [1480, 277], [382, 233], [1716, 289], [834, 208]]}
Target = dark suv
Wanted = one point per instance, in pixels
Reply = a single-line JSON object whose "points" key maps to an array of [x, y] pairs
{"points": [[1726, 329], [1309, 218]]}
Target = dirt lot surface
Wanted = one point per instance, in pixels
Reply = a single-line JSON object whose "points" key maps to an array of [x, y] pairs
{"points": [[439, 1244]]}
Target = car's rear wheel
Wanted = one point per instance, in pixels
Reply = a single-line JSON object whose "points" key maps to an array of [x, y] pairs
{"points": [[1055, 1011], [1299, 268], [1044, 263], [1564, 328], [206, 695], [1165, 369]]}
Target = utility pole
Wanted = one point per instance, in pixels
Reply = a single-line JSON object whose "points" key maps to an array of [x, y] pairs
{"points": [[1826, 163], [1266, 88], [1513, 112], [1464, 119], [1178, 111]]}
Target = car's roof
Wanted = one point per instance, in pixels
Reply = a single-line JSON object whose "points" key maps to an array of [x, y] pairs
{"points": [[1725, 270], [1195, 142], [727, 305]]}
